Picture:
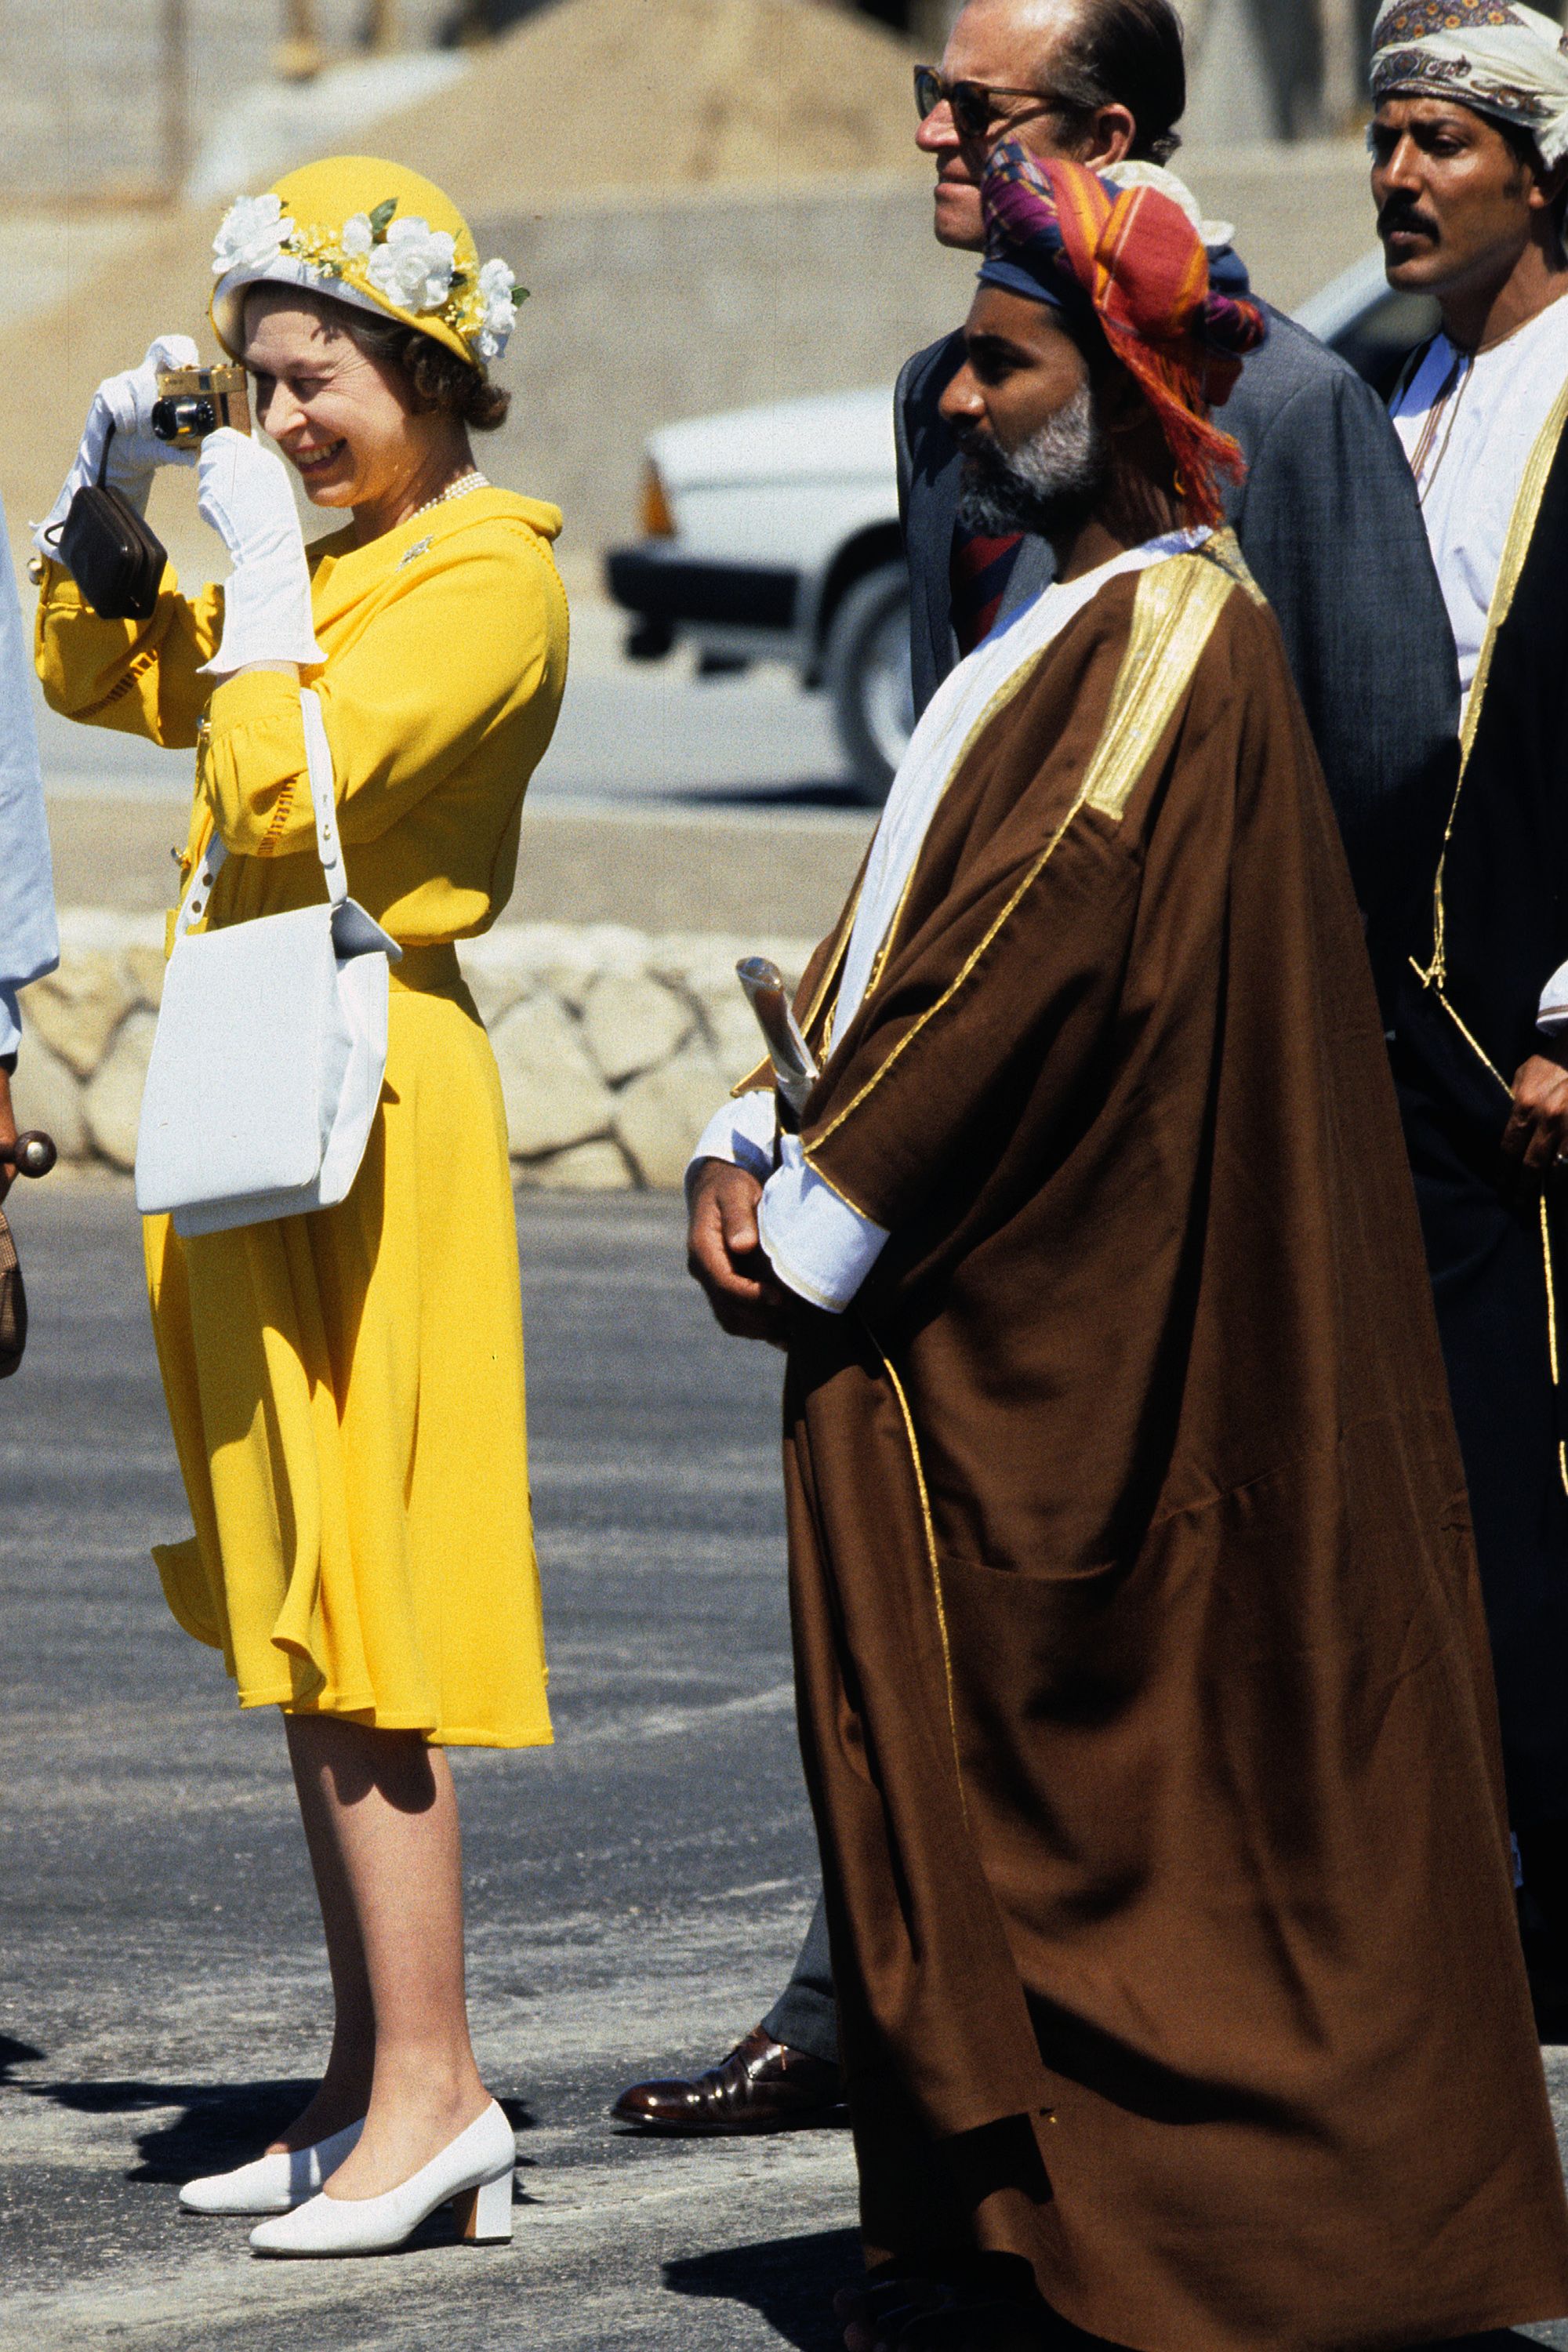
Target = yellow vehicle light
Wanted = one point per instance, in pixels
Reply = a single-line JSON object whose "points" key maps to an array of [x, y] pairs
{"points": [[657, 521]]}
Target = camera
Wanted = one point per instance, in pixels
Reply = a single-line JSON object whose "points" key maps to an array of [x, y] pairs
{"points": [[194, 402]]}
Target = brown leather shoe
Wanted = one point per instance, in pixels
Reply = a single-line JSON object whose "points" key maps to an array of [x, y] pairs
{"points": [[762, 2086]]}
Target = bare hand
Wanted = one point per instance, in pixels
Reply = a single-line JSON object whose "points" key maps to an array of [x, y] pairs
{"points": [[7, 1133], [724, 1253], [1537, 1130]]}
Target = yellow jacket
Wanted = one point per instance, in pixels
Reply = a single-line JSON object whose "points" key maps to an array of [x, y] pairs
{"points": [[446, 643]]}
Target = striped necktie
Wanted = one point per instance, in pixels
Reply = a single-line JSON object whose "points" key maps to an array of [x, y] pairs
{"points": [[978, 574]]}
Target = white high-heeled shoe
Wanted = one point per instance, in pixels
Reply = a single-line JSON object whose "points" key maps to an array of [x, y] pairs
{"points": [[273, 2184], [472, 2174]]}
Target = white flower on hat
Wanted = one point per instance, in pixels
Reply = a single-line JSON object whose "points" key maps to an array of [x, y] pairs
{"points": [[358, 235], [413, 269], [499, 313], [251, 235]]}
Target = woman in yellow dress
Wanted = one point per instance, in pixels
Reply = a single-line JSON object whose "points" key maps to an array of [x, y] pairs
{"points": [[346, 1387]]}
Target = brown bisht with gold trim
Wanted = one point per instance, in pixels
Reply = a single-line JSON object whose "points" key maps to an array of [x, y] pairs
{"points": [[1145, 1699]]}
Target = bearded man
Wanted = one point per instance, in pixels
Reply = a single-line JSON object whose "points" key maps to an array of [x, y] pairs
{"points": [[1324, 511], [1144, 1699], [1470, 162], [1329, 527]]}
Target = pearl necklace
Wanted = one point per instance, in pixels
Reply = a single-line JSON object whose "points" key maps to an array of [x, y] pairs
{"points": [[457, 489]]}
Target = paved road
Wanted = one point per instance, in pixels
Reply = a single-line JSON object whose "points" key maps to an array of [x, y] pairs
{"points": [[635, 1894]]}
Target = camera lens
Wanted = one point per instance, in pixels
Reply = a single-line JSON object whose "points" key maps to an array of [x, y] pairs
{"points": [[185, 418]]}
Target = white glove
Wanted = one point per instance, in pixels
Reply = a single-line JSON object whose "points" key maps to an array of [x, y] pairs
{"points": [[124, 402], [245, 495]]}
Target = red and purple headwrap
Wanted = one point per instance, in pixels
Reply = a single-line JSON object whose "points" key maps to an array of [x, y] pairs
{"points": [[1130, 259]]}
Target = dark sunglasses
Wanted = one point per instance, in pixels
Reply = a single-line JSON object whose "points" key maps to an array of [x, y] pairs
{"points": [[973, 103]]}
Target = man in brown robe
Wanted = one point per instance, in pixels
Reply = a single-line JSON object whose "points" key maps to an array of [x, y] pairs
{"points": [[1144, 1694]]}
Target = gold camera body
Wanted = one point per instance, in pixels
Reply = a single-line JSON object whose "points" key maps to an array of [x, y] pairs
{"points": [[194, 402]]}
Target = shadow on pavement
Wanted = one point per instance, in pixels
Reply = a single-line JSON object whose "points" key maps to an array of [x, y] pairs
{"points": [[823, 793], [15, 2053], [789, 2282], [221, 2124]]}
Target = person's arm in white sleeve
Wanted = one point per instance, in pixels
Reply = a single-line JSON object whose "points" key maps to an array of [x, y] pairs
{"points": [[744, 1132], [814, 1242], [1552, 1018]]}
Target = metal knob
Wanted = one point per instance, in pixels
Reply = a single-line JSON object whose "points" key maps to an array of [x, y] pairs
{"points": [[33, 1154]]}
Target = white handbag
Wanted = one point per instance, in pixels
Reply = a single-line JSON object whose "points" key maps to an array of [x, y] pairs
{"points": [[270, 1049]]}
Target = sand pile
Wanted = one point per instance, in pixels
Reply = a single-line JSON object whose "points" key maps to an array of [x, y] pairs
{"points": [[587, 96], [632, 94]]}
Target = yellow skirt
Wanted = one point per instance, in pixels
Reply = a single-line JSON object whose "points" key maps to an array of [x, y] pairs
{"points": [[347, 1391]]}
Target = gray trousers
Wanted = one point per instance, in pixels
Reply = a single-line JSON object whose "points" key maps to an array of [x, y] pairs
{"points": [[804, 2015]]}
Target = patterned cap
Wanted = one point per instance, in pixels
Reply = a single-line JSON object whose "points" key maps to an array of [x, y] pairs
{"points": [[1132, 259], [1502, 58]]}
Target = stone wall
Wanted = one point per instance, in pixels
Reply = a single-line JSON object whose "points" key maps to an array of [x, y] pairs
{"points": [[613, 1048]]}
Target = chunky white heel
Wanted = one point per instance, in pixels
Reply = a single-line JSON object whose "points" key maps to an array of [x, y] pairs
{"points": [[473, 2174], [483, 2215], [272, 2184]]}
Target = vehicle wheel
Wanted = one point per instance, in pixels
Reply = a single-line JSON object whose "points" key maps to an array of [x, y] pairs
{"points": [[867, 667]]}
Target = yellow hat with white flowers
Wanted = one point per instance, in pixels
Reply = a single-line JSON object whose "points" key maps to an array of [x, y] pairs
{"points": [[376, 236]]}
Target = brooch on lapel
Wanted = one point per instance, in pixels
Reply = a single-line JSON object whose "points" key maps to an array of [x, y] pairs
{"points": [[420, 547]]}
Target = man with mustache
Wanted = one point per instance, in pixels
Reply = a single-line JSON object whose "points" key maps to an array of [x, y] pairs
{"points": [[1470, 168], [1329, 527], [1144, 1700]]}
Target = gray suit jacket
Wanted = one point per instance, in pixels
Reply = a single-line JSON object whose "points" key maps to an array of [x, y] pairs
{"points": [[1330, 525]]}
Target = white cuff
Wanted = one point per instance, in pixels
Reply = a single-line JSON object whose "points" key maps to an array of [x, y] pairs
{"points": [[1552, 1016], [744, 1132], [816, 1242], [10, 1021]]}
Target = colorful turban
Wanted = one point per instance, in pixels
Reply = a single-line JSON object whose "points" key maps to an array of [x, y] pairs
{"points": [[1132, 259], [1504, 60]]}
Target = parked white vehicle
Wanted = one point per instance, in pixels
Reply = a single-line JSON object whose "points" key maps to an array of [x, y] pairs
{"points": [[773, 533]]}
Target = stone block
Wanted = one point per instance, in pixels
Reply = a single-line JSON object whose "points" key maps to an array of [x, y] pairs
{"points": [[113, 1100], [44, 1093], [659, 1115], [495, 989], [601, 1167], [738, 1045], [144, 968], [76, 1009], [630, 1022], [554, 1097]]}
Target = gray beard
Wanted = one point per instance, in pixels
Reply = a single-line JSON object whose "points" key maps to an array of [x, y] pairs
{"points": [[1048, 484]]}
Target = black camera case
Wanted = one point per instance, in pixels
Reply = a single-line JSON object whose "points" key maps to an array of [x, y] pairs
{"points": [[109, 551]]}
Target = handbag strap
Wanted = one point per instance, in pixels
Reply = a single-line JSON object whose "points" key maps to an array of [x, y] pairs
{"points": [[323, 798]]}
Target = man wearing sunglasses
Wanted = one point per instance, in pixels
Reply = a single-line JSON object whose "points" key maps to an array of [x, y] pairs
{"points": [[1331, 529], [1325, 517]]}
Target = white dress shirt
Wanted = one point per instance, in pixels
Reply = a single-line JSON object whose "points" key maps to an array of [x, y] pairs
{"points": [[1467, 425]]}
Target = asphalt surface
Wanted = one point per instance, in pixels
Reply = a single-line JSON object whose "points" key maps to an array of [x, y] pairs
{"points": [[635, 1894]]}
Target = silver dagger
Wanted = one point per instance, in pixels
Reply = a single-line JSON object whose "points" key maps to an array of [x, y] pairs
{"points": [[794, 1068]]}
